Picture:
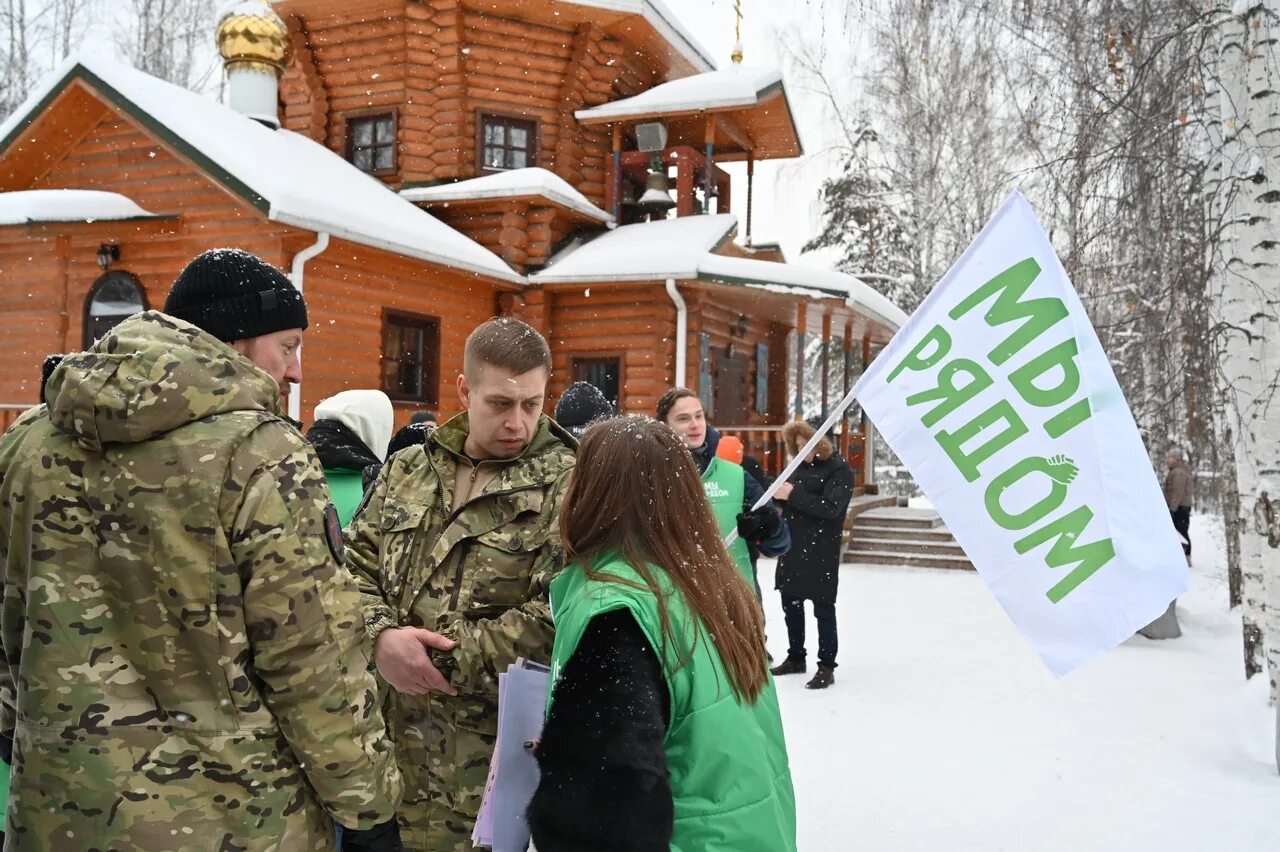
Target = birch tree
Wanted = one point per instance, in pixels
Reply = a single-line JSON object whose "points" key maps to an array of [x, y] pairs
{"points": [[1247, 304]]}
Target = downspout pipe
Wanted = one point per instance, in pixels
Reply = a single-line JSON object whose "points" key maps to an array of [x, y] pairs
{"points": [[297, 276], [682, 333]]}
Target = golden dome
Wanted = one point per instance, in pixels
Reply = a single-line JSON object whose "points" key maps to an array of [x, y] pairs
{"points": [[252, 34]]}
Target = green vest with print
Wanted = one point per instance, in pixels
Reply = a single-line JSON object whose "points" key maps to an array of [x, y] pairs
{"points": [[730, 780], [726, 488]]}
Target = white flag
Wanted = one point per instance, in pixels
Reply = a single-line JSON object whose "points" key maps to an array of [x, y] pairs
{"points": [[998, 396]]}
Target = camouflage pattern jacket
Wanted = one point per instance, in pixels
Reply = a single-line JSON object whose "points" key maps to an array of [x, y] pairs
{"points": [[184, 656], [478, 575]]}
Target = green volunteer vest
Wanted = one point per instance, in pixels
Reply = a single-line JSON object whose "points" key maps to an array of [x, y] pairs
{"points": [[730, 780], [726, 489], [346, 489]]}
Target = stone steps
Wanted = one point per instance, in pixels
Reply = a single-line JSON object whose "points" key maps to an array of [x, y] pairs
{"points": [[904, 536]]}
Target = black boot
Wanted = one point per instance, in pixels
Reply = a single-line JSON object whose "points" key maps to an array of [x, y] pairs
{"points": [[824, 678], [791, 665]]}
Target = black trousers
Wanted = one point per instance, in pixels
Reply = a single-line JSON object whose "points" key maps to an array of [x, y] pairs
{"points": [[1182, 523], [825, 613]]}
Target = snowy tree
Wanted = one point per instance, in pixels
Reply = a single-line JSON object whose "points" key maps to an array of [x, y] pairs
{"points": [[1247, 304]]}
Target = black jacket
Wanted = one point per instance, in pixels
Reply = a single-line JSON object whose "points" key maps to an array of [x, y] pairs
{"points": [[815, 513], [339, 447], [603, 754]]}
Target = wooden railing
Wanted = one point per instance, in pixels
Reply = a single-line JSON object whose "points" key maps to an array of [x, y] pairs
{"points": [[11, 411], [765, 444]]}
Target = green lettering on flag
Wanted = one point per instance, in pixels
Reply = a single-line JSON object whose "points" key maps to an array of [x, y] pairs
{"points": [[1008, 288], [952, 443], [1064, 532], [948, 396], [917, 360]]}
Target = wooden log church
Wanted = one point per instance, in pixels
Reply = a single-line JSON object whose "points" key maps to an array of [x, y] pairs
{"points": [[418, 166]]}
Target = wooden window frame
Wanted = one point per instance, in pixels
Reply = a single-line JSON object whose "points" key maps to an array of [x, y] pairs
{"points": [[535, 138], [349, 145], [102, 280], [431, 375], [577, 358]]}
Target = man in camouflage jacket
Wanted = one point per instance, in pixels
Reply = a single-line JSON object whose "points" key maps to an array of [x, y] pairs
{"points": [[455, 546], [183, 653]]}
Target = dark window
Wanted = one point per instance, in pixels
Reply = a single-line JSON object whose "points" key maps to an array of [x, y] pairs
{"points": [[113, 298], [507, 143], [411, 357], [604, 373], [371, 142]]}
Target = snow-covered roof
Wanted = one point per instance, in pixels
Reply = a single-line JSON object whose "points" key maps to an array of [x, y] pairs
{"points": [[663, 21], [685, 248], [669, 248], [67, 205], [292, 179], [736, 86], [790, 279], [511, 184]]}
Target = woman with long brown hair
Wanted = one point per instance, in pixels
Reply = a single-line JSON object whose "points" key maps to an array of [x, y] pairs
{"points": [[663, 730]]}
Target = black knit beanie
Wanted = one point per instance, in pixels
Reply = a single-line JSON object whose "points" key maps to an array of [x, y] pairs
{"points": [[582, 405], [234, 295]]}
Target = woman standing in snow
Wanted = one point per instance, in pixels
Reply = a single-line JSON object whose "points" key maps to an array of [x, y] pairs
{"points": [[663, 730], [815, 502]]}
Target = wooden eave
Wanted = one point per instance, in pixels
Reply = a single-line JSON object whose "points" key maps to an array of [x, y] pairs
{"points": [[27, 134], [765, 129], [141, 226], [632, 29], [503, 204]]}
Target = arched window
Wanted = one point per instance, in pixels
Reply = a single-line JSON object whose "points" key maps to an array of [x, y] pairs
{"points": [[113, 298]]}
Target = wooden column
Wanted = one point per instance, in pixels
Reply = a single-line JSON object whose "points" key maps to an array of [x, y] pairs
{"points": [[845, 384], [802, 321], [613, 183], [868, 438], [826, 362], [684, 185], [709, 179], [62, 245], [751, 182]]}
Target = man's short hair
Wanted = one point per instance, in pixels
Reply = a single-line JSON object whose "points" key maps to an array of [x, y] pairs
{"points": [[508, 343], [1175, 453]]}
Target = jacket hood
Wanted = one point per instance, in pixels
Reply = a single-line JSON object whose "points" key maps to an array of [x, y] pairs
{"points": [[549, 437], [367, 413], [150, 375]]}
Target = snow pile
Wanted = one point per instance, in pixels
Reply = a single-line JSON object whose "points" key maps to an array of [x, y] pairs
{"points": [[511, 184], [669, 248], [293, 179], [736, 86], [944, 731], [67, 205]]}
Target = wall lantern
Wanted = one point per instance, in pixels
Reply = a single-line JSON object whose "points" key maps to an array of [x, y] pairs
{"points": [[108, 253]]}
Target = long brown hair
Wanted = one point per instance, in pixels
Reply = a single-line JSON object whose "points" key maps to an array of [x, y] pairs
{"points": [[636, 492]]}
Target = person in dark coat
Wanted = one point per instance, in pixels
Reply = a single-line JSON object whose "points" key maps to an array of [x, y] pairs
{"points": [[580, 405], [412, 434], [815, 502]]}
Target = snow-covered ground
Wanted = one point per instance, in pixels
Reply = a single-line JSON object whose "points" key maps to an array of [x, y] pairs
{"points": [[944, 732]]}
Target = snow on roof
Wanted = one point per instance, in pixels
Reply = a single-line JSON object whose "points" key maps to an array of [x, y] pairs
{"points": [[737, 86], [791, 279], [67, 205], [685, 248], [669, 248], [248, 8], [294, 180], [661, 19], [511, 184]]}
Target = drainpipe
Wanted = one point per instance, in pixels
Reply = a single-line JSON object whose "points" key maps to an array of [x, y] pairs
{"points": [[682, 332], [296, 276]]}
